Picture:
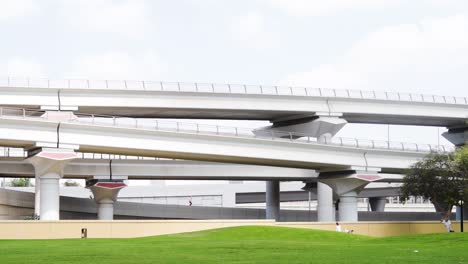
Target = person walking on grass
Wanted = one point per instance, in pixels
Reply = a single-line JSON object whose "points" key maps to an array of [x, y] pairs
{"points": [[338, 227], [448, 224]]}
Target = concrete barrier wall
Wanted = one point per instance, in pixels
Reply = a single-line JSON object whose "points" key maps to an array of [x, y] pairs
{"points": [[112, 229], [379, 229], [141, 228]]}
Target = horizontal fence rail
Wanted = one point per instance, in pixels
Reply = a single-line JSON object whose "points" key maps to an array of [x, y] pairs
{"points": [[9, 152], [228, 88], [195, 128]]}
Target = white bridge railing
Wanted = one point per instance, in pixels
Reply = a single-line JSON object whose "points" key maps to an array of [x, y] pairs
{"points": [[9, 152], [228, 88], [195, 128]]}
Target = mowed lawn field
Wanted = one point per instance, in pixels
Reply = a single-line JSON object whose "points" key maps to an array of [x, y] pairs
{"points": [[250, 244]]}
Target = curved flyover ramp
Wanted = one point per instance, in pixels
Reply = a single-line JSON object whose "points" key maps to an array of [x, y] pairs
{"points": [[107, 135]]}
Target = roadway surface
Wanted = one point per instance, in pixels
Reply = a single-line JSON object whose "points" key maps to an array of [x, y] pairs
{"points": [[27, 132], [255, 103]]}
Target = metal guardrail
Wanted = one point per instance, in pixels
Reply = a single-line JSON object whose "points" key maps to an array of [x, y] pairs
{"points": [[195, 128], [9, 152], [228, 88]]}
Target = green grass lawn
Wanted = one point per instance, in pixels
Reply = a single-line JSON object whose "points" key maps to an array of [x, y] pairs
{"points": [[252, 244]]}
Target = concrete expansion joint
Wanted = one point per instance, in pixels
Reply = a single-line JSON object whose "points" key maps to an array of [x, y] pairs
{"points": [[49, 175], [349, 194], [106, 201]]}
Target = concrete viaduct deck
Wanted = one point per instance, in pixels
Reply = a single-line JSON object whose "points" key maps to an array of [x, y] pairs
{"points": [[31, 131], [244, 102]]}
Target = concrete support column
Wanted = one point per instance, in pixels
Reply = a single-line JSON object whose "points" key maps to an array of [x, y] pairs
{"points": [[48, 165], [105, 194], [347, 185], [325, 205], [50, 197], [273, 200], [347, 208], [106, 209], [37, 196], [377, 204]]}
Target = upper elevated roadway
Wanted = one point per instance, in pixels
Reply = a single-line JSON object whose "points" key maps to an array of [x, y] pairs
{"points": [[228, 101]]}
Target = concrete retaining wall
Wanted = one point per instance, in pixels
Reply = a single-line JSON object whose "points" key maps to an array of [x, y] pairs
{"points": [[138, 228]]}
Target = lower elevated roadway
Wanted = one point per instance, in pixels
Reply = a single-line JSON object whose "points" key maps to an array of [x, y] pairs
{"points": [[31, 132], [20, 205], [162, 170], [60, 135]]}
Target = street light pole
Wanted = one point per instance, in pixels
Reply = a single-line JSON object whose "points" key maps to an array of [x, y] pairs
{"points": [[310, 198], [461, 203], [461, 215]]}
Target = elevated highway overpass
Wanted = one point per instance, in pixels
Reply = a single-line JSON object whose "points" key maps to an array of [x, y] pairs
{"points": [[229, 101], [35, 129], [87, 134], [114, 167], [304, 121]]}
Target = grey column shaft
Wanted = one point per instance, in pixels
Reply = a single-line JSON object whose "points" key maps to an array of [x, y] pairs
{"points": [[37, 196], [50, 198], [106, 210], [347, 208], [377, 204], [273, 200], [325, 206], [458, 212]]}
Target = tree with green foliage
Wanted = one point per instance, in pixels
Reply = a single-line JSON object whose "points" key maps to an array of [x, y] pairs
{"points": [[440, 177], [21, 182]]}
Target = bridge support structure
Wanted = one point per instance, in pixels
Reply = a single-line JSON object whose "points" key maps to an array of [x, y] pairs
{"points": [[322, 126], [272, 200], [105, 194], [377, 204], [347, 185], [48, 165], [458, 136], [325, 203]]}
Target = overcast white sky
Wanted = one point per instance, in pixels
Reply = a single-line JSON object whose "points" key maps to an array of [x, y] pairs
{"points": [[418, 46]]}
